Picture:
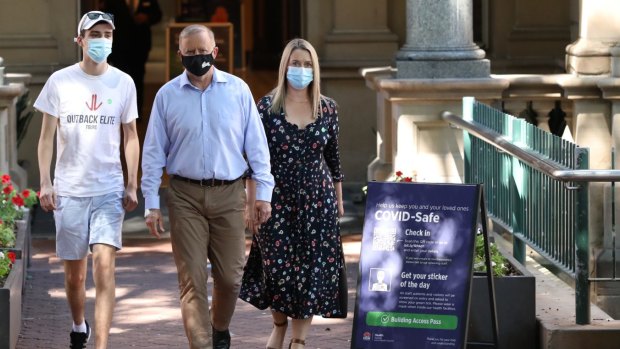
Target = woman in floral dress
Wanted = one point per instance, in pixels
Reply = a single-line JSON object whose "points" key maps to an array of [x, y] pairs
{"points": [[294, 262]]}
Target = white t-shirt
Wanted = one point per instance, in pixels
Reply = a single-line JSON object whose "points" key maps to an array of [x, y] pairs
{"points": [[90, 110]]}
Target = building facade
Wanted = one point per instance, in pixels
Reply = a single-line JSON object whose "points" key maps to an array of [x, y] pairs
{"points": [[392, 66]]}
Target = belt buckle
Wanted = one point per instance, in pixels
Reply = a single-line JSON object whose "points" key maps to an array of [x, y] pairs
{"points": [[207, 182]]}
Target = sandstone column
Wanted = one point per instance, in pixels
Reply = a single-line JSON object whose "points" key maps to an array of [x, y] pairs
{"points": [[599, 30], [440, 42], [8, 131]]}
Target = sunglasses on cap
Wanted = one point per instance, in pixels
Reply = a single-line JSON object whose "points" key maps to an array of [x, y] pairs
{"points": [[102, 15]]}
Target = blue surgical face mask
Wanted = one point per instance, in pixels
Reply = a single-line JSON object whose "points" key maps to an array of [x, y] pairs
{"points": [[99, 49], [299, 77]]}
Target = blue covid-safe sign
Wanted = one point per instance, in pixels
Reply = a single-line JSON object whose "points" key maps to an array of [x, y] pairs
{"points": [[416, 266]]}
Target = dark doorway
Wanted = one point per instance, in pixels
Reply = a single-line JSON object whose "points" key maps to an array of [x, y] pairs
{"points": [[275, 23], [87, 5]]}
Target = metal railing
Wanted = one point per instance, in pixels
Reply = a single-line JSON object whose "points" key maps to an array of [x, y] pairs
{"points": [[536, 186]]}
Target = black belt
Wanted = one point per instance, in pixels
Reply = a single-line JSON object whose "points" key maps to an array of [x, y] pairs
{"points": [[206, 182]]}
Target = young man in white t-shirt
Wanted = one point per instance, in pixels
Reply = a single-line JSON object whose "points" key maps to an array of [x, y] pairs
{"points": [[88, 104]]}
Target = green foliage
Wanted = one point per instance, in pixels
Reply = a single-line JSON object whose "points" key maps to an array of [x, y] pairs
{"points": [[12, 201], [24, 116], [397, 177], [30, 198], [7, 237], [498, 262], [5, 265], [8, 209]]}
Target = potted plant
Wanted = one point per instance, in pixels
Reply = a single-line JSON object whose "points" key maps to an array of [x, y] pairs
{"points": [[515, 300], [9, 210], [11, 287], [15, 221], [15, 218], [14, 252], [6, 263], [7, 236]]}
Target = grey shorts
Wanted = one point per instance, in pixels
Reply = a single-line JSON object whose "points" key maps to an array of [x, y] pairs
{"points": [[84, 221]]}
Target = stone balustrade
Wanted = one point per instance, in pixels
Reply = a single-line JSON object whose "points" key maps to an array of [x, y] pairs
{"points": [[412, 137], [9, 94]]}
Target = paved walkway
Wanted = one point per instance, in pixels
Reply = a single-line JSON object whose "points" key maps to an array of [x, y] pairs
{"points": [[147, 313]]}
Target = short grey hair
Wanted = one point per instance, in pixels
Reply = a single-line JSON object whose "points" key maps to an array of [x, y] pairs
{"points": [[194, 29]]}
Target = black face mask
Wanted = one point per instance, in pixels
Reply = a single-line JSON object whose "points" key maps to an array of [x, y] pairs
{"points": [[198, 65]]}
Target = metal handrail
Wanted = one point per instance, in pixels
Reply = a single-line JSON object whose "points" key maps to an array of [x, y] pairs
{"points": [[529, 157], [554, 171]]}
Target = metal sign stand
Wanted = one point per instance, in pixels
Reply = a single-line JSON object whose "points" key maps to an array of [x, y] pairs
{"points": [[489, 275]]}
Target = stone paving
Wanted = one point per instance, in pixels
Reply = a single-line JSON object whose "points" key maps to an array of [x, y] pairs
{"points": [[147, 313]]}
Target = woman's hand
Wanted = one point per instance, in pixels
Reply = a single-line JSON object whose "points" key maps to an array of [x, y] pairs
{"points": [[251, 214], [263, 211], [155, 222], [250, 217]]}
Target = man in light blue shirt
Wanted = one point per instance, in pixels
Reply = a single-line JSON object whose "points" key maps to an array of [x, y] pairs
{"points": [[201, 125]]}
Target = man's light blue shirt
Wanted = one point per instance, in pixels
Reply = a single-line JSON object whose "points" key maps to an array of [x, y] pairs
{"points": [[204, 134]]}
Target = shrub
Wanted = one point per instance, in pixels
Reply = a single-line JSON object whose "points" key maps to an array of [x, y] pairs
{"points": [[6, 263], [499, 264], [7, 237], [12, 201]]}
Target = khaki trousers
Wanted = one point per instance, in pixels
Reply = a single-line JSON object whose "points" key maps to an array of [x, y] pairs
{"points": [[207, 223]]}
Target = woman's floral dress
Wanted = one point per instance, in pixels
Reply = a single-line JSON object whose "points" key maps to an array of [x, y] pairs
{"points": [[294, 260]]}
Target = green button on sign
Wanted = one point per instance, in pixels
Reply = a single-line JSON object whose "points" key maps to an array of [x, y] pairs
{"points": [[408, 320]]}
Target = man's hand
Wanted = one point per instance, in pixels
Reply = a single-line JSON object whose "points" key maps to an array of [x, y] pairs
{"points": [[263, 211], [47, 197], [154, 221], [130, 200]]}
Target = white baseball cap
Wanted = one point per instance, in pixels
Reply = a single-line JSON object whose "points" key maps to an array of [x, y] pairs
{"points": [[93, 17]]}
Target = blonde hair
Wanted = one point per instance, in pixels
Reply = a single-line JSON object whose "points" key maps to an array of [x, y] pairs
{"points": [[314, 89]]}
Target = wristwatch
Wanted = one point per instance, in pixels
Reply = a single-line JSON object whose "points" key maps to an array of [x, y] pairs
{"points": [[146, 212]]}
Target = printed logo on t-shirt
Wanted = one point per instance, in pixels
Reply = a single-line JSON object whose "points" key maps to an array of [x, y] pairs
{"points": [[92, 120], [93, 103]]}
